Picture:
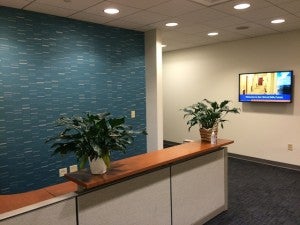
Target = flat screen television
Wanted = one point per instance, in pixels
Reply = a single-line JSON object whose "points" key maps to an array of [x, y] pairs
{"points": [[275, 86]]}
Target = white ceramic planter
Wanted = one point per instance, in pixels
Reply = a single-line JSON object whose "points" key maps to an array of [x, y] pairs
{"points": [[97, 166]]}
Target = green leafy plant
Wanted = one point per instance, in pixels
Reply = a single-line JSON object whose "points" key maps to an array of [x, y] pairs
{"points": [[93, 135], [208, 113]]}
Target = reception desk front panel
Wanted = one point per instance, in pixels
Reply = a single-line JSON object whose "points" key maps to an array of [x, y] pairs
{"points": [[58, 213], [199, 188], [140, 200]]}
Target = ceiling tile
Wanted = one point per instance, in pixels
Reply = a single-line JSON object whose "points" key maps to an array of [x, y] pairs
{"points": [[123, 24], [199, 16], [292, 7], [276, 2], [175, 7], [210, 2], [178, 36], [229, 36], [161, 25], [144, 17], [228, 7], [203, 38], [263, 13], [194, 29], [73, 4], [253, 30], [90, 17], [124, 10], [292, 23], [288, 19], [186, 38], [141, 4], [146, 27], [288, 26], [14, 4], [48, 9], [224, 22]]}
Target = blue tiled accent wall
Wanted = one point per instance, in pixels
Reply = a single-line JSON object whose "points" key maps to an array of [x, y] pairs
{"points": [[51, 66]]}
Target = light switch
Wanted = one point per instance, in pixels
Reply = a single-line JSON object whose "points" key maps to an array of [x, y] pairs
{"points": [[133, 114]]}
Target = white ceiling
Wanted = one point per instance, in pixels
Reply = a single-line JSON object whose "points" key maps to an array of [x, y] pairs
{"points": [[195, 19]]}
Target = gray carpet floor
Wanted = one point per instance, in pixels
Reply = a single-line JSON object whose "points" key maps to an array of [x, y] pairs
{"points": [[261, 195]]}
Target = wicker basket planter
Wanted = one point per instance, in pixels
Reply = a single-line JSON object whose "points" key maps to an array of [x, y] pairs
{"points": [[205, 134]]}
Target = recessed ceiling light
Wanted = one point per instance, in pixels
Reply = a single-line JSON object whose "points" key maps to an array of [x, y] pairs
{"points": [[172, 24], [276, 21], [111, 11], [213, 34], [242, 6], [163, 45]]}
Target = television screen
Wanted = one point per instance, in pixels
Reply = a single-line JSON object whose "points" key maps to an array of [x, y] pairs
{"points": [[266, 86]]}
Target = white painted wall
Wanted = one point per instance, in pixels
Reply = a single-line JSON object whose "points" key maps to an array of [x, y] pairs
{"points": [[154, 99], [261, 130]]}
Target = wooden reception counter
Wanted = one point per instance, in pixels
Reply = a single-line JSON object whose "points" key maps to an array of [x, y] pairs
{"points": [[145, 162], [180, 185]]}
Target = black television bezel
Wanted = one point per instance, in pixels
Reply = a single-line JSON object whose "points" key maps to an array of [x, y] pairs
{"points": [[275, 71]]}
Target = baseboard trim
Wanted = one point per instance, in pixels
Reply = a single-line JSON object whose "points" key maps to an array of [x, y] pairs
{"points": [[265, 161]]}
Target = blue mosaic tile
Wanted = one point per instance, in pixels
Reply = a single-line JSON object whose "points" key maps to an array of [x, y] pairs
{"points": [[52, 66]]}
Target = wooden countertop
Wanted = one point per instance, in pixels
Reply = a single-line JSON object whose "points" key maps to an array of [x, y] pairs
{"points": [[131, 166], [16, 201]]}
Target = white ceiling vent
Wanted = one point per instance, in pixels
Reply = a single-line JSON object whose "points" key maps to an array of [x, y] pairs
{"points": [[209, 2]]}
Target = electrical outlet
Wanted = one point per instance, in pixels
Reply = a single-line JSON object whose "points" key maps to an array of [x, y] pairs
{"points": [[73, 168], [133, 114], [290, 147], [62, 171]]}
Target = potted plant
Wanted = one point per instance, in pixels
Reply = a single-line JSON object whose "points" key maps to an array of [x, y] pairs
{"points": [[208, 114], [92, 138]]}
